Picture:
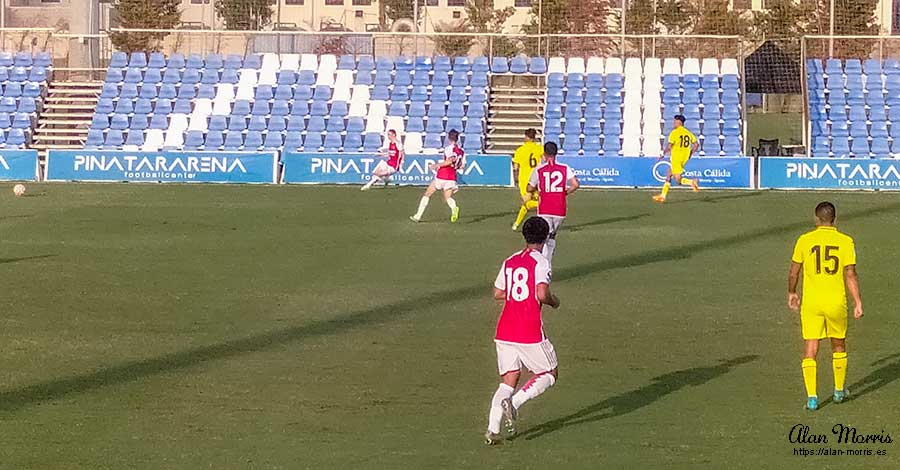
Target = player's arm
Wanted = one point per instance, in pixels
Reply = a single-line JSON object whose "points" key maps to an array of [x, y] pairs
{"points": [[793, 297], [499, 294], [500, 285], [401, 155], [573, 183], [666, 150], [546, 297], [852, 282], [532, 183]]}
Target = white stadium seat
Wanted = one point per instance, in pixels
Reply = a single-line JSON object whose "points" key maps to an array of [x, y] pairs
{"points": [[395, 123], [651, 147], [377, 109], [556, 65], [309, 62], [178, 123], [198, 123], [174, 139], [576, 65], [375, 125], [327, 64], [652, 68], [245, 92], [325, 78], [248, 77], [290, 62], [633, 67], [709, 66], [343, 82], [671, 66], [690, 66], [413, 143], [729, 67], [360, 94], [224, 92], [594, 65], [202, 107], [358, 109], [613, 65], [268, 77], [153, 141]]}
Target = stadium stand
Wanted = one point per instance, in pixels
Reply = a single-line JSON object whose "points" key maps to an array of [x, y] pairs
{"points": [[259, 101], [854, 107], [24, 80], [605, 106]]}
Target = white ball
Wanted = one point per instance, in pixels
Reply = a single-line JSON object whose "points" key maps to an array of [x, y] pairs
{"points": [[19, 189]]}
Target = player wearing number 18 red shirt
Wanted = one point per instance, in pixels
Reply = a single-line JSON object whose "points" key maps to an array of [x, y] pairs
{"points": [[553, 182], [524, 285]]}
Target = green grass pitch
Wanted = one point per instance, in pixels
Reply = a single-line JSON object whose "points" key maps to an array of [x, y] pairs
{"points": [[239, 327]]}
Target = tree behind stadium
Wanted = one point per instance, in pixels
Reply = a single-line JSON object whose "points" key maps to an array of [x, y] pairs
{"points": [[571, 17], [245, 15], [144, 14]]}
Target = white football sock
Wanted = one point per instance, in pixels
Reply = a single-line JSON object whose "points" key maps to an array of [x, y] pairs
{"points": [[503, 392], [372, 181], [451, 202], [534, 387], [549, 247], [423, 203]]}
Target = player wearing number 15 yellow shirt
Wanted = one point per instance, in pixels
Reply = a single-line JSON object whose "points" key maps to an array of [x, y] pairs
{"points": [[525, 160], [682, 144], [827, 259]]}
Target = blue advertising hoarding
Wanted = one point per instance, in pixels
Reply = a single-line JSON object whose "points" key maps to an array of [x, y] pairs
{"points": [[639, 172], [828, 173], [356, 168], [166, 167], [18, 165]]}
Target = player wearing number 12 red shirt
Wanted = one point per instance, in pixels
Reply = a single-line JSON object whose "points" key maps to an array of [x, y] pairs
{"points": [[554, 182], [524, 286]]}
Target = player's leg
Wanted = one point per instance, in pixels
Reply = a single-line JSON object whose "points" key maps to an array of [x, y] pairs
{"points": [[523, 209], [451, 203], [377, 175], [685, 181], [423, 203], [811, 349], [508, 365], [665, 189], [836, 324], [540, 359], [550, 244]]}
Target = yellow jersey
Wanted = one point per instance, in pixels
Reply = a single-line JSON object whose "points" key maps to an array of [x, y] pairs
{"points": [[528, 157], [824, 253], [681, 141]]}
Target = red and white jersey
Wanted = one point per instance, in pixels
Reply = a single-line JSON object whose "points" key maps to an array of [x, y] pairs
{"points": [[456, 155], [520, 321], [551, 180], [393, 150]]}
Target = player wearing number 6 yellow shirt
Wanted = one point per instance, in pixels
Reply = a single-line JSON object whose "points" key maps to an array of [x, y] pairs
{"points": [[525, 160], [828, 261], [682, 144]]}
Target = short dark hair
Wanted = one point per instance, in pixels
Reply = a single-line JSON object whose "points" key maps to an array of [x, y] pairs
{"points": [[826, 212], [535, 230], [680, 117], [550, 149], [453, 135], [392, 131], [530, 133]]}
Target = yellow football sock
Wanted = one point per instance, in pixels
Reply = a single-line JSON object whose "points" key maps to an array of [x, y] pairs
{"points": [[523, 211], [686, 181], [532, 204], [809, 376], [839, 363], [665, 189]]}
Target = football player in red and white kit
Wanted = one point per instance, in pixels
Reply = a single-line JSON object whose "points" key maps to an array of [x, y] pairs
{"points": [[394, 154], [445, 179], [524, 286], [553, 182]]}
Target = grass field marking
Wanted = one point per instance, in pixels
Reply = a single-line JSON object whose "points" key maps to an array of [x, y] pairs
{"points": [[15, 399], [640, 397]]}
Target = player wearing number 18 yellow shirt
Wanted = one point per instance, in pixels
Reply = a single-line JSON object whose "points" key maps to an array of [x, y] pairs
{"points": [[525, 160], [682, 144], [828, 261]]}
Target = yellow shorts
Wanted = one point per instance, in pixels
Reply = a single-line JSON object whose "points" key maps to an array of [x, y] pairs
{"points": [[523, 190], [819, 323], [678, 164]]}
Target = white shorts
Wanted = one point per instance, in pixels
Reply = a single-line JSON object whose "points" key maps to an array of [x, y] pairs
{"points": [[536, 357], [443, 185], [554, 221], [385, 169]]}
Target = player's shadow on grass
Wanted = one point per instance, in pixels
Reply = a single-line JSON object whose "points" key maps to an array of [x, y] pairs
{"points": [[24, 258], [495, 215], [15, 399], [638, 398], [887, 373], [718, 198], [610, 220]]}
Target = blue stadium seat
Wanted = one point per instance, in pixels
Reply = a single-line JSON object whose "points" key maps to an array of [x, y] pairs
{"points": [[253, 141], [421, 78], [234, 141], [478, 111], [480, 64], [474, 126], [461, 64], [316, 124], [209, 77], [691, 113], [414, 124], [731, 128], [859, 129], [233, 62], [397, 108], [335, 124], [442, 65], [237, 123], [306, 77], [347, 62], [372, 142], [417, 109], [419, 93], [280, 108], [436, 126], [711, 113], [253, 61], [205, 91], [193, 140], [139, 122], [591, 146], [711, 146], [380, 93], [114, 138], [454, 124], [302, 93], [284, 93], [148, 91], [363, 78], [104, 106], [572, 128], [611, 146], [194, 61], [261, 108], [402, 79], [190, 77], [118, 60], [880, 147], [860, 147], [94, 139], [322, 93], [118, 122], [137, 60], [277, 124], [455, 110], [296, 124], [129, 91], [820, 147], [400, 94], [98, 121], [159, 121], [188, 92], [287, 77], [356, 125], [732, 146], [273, 141], [318, 108], [27, 105], [214, 62], [553, 111], [218, 123], [519, 65], [112, 75], [404, 64], [257, 123], [167, 91], [500, 65], [39, 75], [182, 105], [292, 141], [312, 142], [333, 142]]}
